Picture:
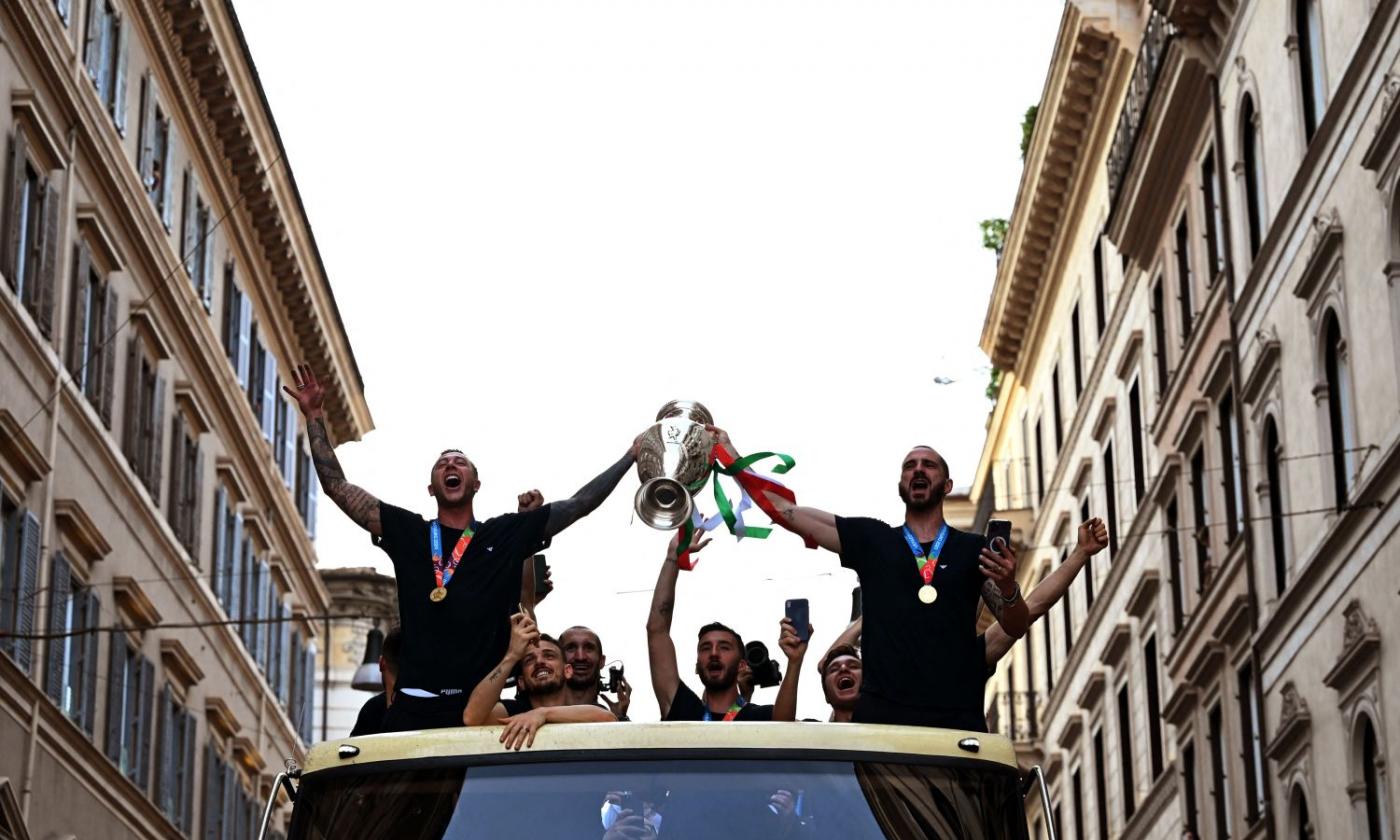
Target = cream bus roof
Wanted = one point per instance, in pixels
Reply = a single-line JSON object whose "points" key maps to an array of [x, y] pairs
{"points": [[602, 738]]}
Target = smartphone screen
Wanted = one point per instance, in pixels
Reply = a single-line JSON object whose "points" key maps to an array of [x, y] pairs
{"points": [[855, 603], [541, 568], [796, 610], [998, 528]]}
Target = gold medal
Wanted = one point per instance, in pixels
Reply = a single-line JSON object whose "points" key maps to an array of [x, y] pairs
{"points": [[928, 594], [438, 594]]}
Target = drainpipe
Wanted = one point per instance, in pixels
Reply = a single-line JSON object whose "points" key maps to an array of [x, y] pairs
{"points": [[1247, 508]]}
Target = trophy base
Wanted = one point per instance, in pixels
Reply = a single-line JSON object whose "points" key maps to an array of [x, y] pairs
{"points": [[662, 503]]}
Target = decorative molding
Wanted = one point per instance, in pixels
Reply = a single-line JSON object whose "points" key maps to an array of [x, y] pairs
{"points": [[187, 402], [221, 719], [1119, 639], [182, 669], [233, 483], [1082, 475], [41, 135], [1361, 645], [133, 603], [1108, 410], [1180, 704], [80, 531], [1132, 351], [1233, 627], [1380, 154], [254, 527], [143, 317], [281, 578], [245, 752], [19, 452], [1074, 728], [100, 242], [1211, 655], [1094, 687], [1266, 363], [11, 813], [1164, 485], [1294, 724], [1144, 595], [1193, 426], [1217, 375], [1323, 262]]}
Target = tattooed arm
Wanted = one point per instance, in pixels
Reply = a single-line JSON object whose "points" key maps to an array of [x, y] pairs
{"points": [[359, 505], [566, 512], [999, 567], [484, 706], [806, 522]]}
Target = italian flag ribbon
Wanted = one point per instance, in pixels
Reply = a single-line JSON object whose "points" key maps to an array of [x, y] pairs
{"points": [[753, 490]]}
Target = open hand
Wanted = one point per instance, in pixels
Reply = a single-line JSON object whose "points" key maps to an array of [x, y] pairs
{"points": [[306, 390], [674, 549], [624, 699]]}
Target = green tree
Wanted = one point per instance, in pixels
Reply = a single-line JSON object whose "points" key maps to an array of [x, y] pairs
{"points": [[993, 234], [1027, 129], [994, 384]]}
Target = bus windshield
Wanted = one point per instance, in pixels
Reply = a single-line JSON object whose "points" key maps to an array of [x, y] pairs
{"points": [[629, 799]]}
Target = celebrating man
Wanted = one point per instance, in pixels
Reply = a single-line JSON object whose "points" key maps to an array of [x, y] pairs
{"points": [[719, 653], [544, 698], [458, 579], [583, 651], [921, 583]]}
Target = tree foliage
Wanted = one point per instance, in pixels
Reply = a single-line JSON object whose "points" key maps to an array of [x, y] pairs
{"points": [[1027, 129]]}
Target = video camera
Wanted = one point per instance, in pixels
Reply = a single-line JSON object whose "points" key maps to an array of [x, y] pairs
{"points": [[613, 681], [765, 671]]}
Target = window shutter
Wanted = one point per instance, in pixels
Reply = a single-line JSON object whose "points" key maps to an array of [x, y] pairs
{"points": [[92, 618], [284, 632], [312, 492], [78, 317], [141, 744], [194, 496], [116, 696], [187, 222], [65, 8], [309, 697], [167, 183], [231, 310], [270, 388], [245, 337], [119, 93], [157, 427], [216, 555], [47, 275], [230, 807], [29, 542], [264, 613], [235, 569], [18, 162], [289, 444], [206, 282], [146, 139], [293, 676], [60, 593], [92, 41], [165, 771], [187, 724], [213, 793], [131, 419], [176, 498], [108, 355]]}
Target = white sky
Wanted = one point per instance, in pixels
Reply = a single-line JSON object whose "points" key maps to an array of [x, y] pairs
{"points": [[543, 219]]}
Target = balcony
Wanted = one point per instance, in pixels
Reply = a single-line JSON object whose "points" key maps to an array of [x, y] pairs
{"points": [[1016, 715], [1155, 41]]}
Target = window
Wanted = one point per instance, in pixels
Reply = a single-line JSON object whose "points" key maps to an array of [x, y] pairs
{"points": [[1188, 787], [1230, 460], [306, 486], [227, 543], [262, 384], [1101, 784], [1338, 407], [1125, 751], [1309, 34], [1159, 334], [238, 326], [1089, 563], [1078, 785], [1154, 705], [220, 792], [64, 9], [1252, 749], [1055, 398], [92, 327], [153, 153], [1219, 791], [1100, 287], [72, 654], [145, 416], [1302, 820], [1110, 481], [174, 792], [129, 710], [186, 482], [20, 541], [1139, 464], [284, 439], [1215, 218], [1253, 178], [1039, 464], [1078, 345], [104, 55], [1201, 533], [1049, 654], [1274, 475], [31, 234], [1183, 278], [197, 241], [1370, 776], [1174, 563]]}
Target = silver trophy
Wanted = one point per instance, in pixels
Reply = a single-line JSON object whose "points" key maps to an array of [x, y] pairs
{"points": [[672, 461]]}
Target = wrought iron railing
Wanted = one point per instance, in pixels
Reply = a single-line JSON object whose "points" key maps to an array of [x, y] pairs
{"points": [[1155, 41]]}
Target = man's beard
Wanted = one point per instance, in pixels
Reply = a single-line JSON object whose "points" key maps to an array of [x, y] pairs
{"points": [[935, 498], [548, 685], [723, 682], [580, 681]]}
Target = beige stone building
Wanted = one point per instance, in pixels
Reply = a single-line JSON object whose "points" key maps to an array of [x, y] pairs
{"points": [[158, 591], [1198, 322], [363, 599]]}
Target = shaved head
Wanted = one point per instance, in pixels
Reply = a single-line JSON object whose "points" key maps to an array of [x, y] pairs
{"points": [[936, 456]]}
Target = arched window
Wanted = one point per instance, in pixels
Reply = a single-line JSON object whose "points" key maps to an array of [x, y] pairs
{"points": [[1309, 32], [1274, 475], [1339, 406], [1302, 820], [1249, 155], [1371, 778]]}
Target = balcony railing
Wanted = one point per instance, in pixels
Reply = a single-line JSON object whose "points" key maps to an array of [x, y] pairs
{"points": [[1015, 714], [1155, 41]]}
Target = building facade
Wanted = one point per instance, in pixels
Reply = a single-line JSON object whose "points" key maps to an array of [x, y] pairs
{"points": [[158, 591], [362, 599], [1197, 318]]}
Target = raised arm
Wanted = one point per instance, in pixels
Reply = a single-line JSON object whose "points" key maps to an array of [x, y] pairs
{"points": [[1000, 592], [806, 522], [849, 636], [785, 707], [661, 650], [484, 706], [1093, 538], [360, 506], [566, 512]]}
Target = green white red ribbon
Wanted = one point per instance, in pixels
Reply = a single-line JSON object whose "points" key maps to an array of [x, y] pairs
{"points": [[753, 489]]}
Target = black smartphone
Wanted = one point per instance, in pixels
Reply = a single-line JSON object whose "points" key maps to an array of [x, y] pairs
{"points": [[796, 611], [541, 569], [855, 603], [998, 528]]}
